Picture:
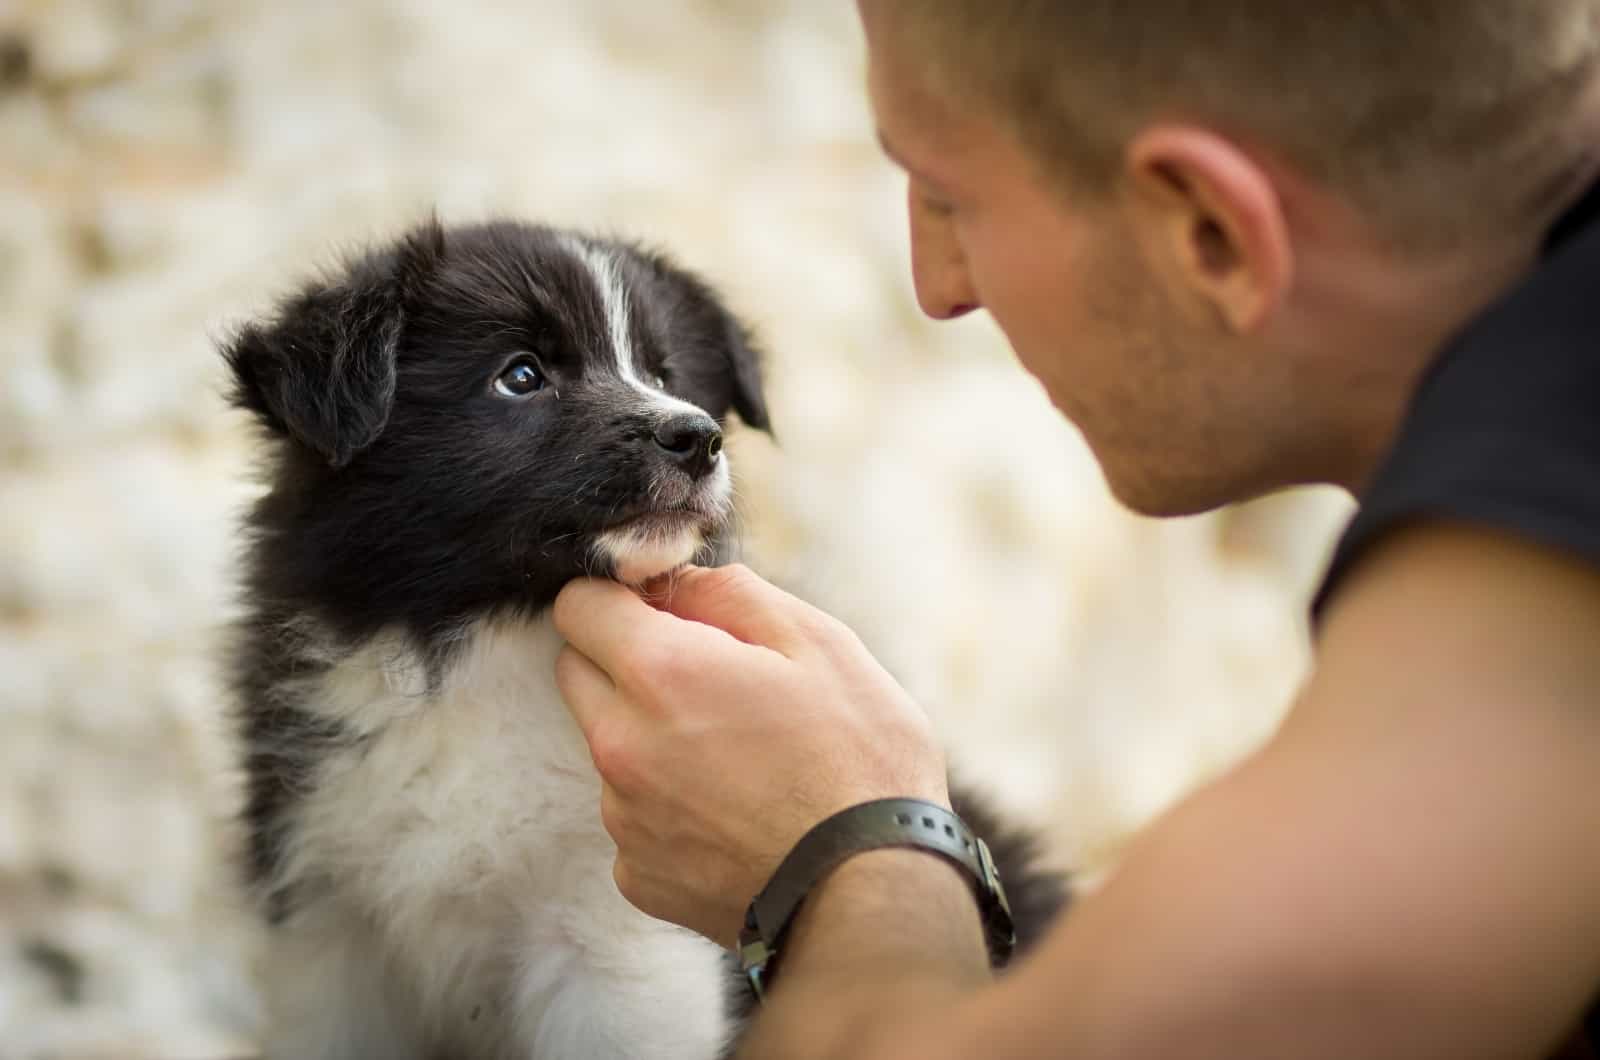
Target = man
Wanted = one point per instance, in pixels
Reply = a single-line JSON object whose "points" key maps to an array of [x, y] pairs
{"points": [[1243, 245]]}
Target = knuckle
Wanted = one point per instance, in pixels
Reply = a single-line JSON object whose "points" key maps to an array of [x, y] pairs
{"points": [[638, 666], [730, 579], [674, 664], [820, 628], [612, 816], [818, 625], [631, 885], [612, 747], [739, 574], [653, 663]]}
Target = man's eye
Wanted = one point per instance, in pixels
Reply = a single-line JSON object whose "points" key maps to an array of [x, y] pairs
{"points": [[520, 379]]}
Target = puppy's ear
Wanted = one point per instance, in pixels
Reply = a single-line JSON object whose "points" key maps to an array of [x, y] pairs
{"points": [[728, 335], [323, 370], [749, 397], [713, 325]]}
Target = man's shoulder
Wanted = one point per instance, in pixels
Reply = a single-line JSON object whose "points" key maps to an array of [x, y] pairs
{"points": [[1452, 702]]}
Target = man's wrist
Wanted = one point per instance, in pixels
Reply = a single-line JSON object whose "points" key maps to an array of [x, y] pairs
{"points": [[882, 908], [884, 941], [890, 823]]}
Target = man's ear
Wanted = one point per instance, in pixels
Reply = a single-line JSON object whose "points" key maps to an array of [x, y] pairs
{"points": [[1216, 216], [322, 371]]}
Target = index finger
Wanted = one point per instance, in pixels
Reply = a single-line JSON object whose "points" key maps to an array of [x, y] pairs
{"points": [[601, 618]]}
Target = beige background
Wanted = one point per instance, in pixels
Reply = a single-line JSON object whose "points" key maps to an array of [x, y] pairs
{"points": [[167, 165]]}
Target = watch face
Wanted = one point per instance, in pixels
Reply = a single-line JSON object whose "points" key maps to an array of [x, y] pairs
{"points": [[755, 977], [991, 874], [753, 957]]}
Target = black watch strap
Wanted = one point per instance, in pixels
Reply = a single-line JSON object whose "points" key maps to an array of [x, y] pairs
{"points": [[870, 826]]}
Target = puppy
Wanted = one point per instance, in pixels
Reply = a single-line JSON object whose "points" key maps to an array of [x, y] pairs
{"points": [[459, 424]]}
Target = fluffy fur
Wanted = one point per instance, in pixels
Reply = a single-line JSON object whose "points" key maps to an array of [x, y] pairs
{"points": [[461, 423]]}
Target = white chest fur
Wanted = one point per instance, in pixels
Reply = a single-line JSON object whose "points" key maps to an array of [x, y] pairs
{"points": [[454, 891]]}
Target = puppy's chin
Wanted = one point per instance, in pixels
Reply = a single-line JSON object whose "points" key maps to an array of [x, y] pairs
{"points": [[639, 550]]}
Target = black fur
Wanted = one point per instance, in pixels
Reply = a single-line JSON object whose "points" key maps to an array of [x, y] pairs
{"points": [[405, 493], [1035, 896]]}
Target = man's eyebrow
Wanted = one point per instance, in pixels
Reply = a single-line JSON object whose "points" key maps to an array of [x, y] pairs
{"points": [[911, 171]]}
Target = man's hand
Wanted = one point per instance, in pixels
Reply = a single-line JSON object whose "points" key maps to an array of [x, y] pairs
{"points": [[725, 721]]}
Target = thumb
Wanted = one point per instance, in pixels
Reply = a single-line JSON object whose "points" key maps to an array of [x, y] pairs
{"points": [[602, 619], [740, 602]]}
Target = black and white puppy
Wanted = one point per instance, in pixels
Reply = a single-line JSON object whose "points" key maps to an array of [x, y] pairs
{"points": [[462, 422]]}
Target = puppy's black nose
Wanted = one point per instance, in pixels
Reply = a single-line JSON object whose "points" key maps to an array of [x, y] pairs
{"points": [[693, 441]]}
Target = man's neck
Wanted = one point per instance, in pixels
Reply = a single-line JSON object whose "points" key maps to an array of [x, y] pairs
{"points": [[1413, 308], [1407, 314], [1584, 176]]}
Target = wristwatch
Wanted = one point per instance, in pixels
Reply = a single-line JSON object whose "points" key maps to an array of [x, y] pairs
{"points": [[870, 826]]}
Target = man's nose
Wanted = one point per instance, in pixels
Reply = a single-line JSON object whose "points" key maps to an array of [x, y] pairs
{"points": [[938, 266]]}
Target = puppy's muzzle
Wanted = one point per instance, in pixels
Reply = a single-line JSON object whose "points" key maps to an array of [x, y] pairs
{"points": [[691, 441]]}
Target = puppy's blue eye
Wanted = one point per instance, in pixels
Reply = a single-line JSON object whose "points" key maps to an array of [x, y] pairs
{"points": [[519, 380]]}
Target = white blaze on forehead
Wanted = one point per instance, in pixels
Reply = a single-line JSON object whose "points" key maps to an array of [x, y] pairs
{"points": [[602, 265], [614, 297]]}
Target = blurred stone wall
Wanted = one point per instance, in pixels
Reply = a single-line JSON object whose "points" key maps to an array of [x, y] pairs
{"points": [[166, 166]]}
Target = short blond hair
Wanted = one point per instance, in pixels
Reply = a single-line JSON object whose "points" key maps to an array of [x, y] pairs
{"points": [[1445, 120]]}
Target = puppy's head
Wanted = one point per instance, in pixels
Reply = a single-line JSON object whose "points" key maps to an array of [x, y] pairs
{"points": [[469, 418]]}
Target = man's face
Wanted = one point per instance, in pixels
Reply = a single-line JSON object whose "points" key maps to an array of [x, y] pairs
{"points": [[1144, 370]]}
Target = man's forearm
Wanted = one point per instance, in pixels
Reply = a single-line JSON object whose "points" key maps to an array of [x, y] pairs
{"points": [[882, 947]]}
